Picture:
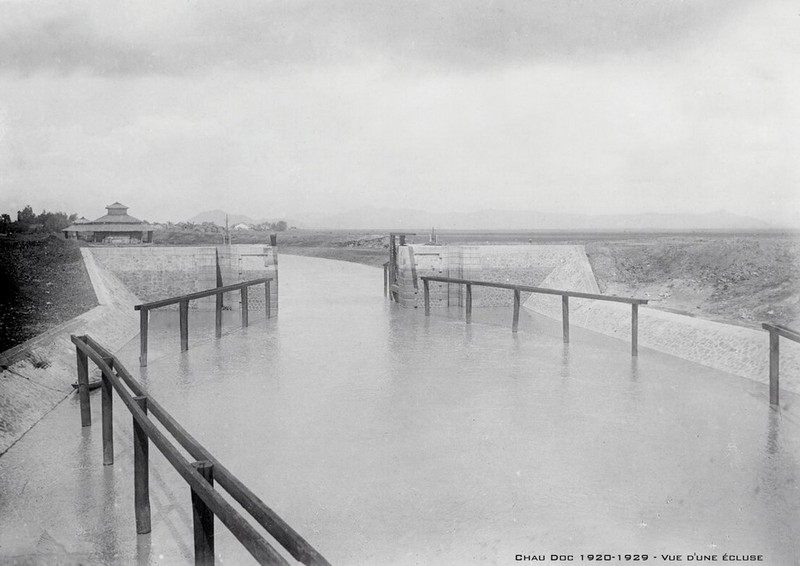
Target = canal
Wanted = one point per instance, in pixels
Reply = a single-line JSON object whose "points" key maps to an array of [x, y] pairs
{"points": [[385, 437]]}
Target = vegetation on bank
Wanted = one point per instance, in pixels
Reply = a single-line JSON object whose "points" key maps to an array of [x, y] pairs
{"points": [[29, 222], [43, 283]]}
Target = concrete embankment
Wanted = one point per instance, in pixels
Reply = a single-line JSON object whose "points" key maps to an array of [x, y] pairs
{"points": [[737, 350], [520, 264], [38, 374], [158, 272]]}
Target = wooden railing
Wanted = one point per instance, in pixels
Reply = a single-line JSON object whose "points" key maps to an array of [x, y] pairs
{"points": [[183, 305], [200, 475], [518, 289], [775, 333]]}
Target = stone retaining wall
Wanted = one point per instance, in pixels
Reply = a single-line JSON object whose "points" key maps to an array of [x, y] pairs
{"points": [[521, 264], [243, 262], [154, 273]]}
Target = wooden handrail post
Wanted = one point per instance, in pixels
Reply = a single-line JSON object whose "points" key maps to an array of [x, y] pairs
{"points": [[201, 294], [218, 315], [469, 304], [427, 293], [83, 387], [143, 323], [774, 366], [184, 315], [141, 472], [267, 304], [107, 401], [244, 307], [392, 266], [203, 519], [183, 304], [565, 296]]}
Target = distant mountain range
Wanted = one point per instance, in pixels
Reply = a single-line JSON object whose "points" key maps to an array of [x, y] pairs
{"points": [[407, 219]]}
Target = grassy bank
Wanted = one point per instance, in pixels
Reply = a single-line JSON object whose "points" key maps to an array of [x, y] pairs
{"points": [[43, 282]]}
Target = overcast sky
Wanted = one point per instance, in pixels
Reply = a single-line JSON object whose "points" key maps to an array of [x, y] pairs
{"points": [[272, 108]]}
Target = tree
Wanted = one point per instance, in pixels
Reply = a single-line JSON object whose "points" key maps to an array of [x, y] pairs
{"points": [[280, 226], [53, 221], [26, 215], [5, 223]]}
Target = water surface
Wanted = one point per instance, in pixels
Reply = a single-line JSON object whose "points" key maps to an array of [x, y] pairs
{"points": [[386, 437]]}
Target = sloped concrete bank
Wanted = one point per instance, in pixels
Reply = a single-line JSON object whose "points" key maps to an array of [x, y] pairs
{"points": [[520, 264], [37, 375], [159, 272], [734, 349]]}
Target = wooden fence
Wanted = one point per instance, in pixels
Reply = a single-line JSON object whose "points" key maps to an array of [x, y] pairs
{"points": [[183, 305], [199, 475], [518, 289]]}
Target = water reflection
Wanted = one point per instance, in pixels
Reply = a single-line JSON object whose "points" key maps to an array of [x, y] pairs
{"points": [[780, 474], [634, 368], [565, 360], [144, 550], [772, 434]]}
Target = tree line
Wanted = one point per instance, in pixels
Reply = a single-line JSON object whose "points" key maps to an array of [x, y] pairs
{"points": [[29, 221], [279, 226]]}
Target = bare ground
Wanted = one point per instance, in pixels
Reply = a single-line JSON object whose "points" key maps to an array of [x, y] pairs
{"points": [[742, 280]]}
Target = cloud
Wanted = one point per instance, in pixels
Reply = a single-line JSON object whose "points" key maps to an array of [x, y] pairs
{"points": [[232, 104], [184, 37]]}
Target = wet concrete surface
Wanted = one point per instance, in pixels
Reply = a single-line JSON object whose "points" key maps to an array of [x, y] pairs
{"points": [[384, 437]]}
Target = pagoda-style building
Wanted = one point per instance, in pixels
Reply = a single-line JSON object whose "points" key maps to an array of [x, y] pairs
{"points": [[115, 227]]}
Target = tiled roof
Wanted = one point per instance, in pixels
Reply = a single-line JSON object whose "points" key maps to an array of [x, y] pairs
{"points": [[116, 219], [94, 227]]}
